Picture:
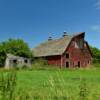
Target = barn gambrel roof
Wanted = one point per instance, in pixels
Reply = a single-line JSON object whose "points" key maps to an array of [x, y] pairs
{"points": [[53, 47]]}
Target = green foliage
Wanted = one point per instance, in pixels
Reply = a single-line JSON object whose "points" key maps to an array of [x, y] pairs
{"points": [[22, 67], [40, 61], [97, 65], [96, 54], [2, 55], [42, 64], [17, 47], [14, 46], [39, 64]]}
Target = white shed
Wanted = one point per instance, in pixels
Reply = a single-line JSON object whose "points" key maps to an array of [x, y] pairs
{"points": [[16, 61]]}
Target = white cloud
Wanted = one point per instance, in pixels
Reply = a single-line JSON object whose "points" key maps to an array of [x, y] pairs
{"points": [[97, 4], [96, 28]]}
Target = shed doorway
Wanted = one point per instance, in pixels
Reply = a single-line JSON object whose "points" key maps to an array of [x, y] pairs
{"points": [[14, 62], [67, 64]]}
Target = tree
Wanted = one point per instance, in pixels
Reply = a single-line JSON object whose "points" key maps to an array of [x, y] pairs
{"points": [[14, 46], [96, 54], [2, 55]]}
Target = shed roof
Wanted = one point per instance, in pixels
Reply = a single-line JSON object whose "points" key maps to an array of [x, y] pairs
{"points": [[53, 47], [11, 56]]}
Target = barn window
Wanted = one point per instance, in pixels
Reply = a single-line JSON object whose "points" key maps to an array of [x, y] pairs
{"points": [[79, 44], [73, 43], [67, 55], [76, 45]]}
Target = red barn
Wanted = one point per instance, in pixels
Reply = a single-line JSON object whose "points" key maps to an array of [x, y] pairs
{"points": [[68, 51]]}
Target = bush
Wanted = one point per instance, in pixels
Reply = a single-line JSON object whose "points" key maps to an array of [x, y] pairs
{"points": [[96, 65], [22, 67], [42, 64], [39, 63]]}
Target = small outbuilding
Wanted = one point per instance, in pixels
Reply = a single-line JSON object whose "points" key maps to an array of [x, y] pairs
{"points": [[16, 61]]}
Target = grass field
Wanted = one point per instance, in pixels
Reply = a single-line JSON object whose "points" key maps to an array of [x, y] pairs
{"points": [[58, 84]]}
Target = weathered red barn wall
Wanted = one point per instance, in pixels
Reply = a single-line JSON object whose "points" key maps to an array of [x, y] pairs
{"points": [[77, 54], [54, 60]]}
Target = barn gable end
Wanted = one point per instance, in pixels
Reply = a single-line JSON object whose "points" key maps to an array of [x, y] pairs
{"points": [[79, 53]]}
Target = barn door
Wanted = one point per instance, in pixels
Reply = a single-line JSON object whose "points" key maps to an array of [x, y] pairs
{"points": [[67, 64], [79, 64]]}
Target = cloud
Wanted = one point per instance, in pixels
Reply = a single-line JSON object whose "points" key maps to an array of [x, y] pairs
{"points": [[97, 4], [96, 28]]}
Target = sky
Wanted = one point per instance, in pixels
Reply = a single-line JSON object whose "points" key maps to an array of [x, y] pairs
{"points": [[36, 20]]}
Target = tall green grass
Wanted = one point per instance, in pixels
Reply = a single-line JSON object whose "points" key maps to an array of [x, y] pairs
{"points": [[7, 85], [77, 84]]}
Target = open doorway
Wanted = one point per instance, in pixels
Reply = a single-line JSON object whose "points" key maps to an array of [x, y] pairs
{"points": [[79, 64], [14, 62], [67, 64]]}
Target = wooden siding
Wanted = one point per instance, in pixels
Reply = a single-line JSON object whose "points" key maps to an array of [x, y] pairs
{"points": [[76, 55], [54, 60]]}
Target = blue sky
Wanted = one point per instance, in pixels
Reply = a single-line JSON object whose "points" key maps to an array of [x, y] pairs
{"points": [[35, 20]]}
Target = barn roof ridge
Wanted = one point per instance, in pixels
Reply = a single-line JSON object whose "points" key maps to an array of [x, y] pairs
{"points": [[53, 47]]}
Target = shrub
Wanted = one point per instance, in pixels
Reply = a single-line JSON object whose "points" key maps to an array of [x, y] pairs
{"points": [[96, 65], [40, 61], [22, 67], [39, 64]]}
